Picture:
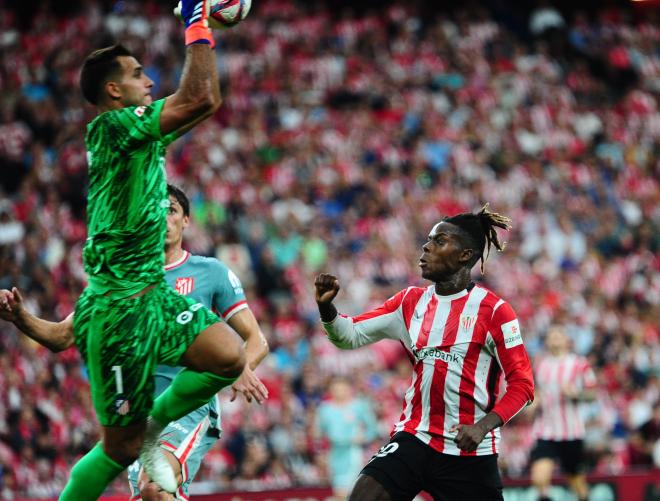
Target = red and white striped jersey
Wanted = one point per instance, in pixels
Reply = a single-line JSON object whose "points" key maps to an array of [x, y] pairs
{"points": [[559, 417], [460, 345]]}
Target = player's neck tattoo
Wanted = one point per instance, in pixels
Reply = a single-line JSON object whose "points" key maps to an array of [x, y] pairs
{"points": [[454, 283]]}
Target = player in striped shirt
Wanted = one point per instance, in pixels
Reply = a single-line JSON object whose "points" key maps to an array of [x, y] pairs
{"points": [[209, 281], [460, 338], [563, 379]]}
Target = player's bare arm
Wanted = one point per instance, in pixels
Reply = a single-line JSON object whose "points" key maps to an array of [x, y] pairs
{"points": [[256, 348], [198, 95], [56, 336], [327, 286]]}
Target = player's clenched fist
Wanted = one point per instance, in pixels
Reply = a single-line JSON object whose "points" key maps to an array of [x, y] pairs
{"points": [[11, 304], [468, 437], [327, 287]]}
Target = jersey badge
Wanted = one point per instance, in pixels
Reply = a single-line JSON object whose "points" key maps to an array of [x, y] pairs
{"points": [[467, 322], [184, 285], [511, 332], [139, 111]]}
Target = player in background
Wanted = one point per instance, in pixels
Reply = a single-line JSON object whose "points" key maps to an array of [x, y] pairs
{"points": [[349, 423], [563, 379], [128, 319], [209, 281], [460, 338]]}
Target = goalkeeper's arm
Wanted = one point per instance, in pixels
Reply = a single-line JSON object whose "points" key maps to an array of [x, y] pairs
{"points": [[198, 95], [56, 336]]}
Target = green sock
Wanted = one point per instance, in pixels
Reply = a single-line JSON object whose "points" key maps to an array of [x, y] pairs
{"points": [[90, 476], [189, 391]]}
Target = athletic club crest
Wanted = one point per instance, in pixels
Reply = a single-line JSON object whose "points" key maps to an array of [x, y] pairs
{"points": [[184, 285], [467, 322]]}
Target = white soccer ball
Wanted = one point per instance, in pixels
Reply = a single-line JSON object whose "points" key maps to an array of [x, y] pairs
{"points": [[224, 14], [227, 13]]}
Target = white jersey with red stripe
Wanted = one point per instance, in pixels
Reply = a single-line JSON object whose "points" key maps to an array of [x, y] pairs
{"points": [[459, 345], [560, 417]]}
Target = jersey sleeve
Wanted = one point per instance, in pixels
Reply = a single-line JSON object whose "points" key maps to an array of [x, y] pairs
{"points": [[384, 322], [514, 361], [228, 295], [129, 128]]}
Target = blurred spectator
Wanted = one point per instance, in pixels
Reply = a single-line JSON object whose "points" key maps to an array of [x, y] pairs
{"points": [[347, 423], [564, 381], [545, 17]]}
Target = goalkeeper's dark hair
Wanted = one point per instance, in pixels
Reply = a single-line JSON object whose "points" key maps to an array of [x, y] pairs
{"points": [[99, 67], [181, 197], [477, 232]]}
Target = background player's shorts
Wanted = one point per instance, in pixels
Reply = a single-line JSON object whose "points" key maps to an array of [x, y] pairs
{"points": [[569, 454], [122, 340], [344, 463], [189, 439], [406, 466]]}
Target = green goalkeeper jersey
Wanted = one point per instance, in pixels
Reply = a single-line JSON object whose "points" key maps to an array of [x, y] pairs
{"points": [[127, 201]]}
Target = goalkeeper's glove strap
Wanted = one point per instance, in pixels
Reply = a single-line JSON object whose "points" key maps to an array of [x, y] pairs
{"points": [[199, 33]]}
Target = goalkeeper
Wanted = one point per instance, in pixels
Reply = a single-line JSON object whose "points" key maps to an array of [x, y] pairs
{"points": [[208, 281], [128, 319]]}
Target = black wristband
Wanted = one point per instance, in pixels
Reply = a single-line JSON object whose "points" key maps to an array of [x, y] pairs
{"points": [[327, 311]]}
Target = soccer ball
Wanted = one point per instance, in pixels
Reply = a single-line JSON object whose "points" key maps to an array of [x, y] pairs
{"points": [[227, 13], [224, 14]]}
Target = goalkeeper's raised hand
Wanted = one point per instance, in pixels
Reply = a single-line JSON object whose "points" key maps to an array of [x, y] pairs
{"points": [[198, 94], [195, 16]]}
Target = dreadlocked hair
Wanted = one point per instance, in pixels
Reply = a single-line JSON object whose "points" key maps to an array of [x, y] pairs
{"points": [[479, 231]]}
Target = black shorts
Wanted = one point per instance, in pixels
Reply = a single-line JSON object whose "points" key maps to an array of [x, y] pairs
{"points": [[569, 454], [406, 466]]}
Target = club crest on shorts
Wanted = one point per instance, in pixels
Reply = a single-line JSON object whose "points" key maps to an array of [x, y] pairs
{"points": [[122, 406], [184, 285]]}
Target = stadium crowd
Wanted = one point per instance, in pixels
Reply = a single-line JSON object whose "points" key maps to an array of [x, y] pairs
{"points": [[338, 146]]}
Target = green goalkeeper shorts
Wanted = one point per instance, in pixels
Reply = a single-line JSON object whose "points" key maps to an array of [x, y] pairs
{"points": [[122, 340]]}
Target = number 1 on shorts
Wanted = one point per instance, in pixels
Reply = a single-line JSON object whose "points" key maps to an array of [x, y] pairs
{"points": [[119, 380]]}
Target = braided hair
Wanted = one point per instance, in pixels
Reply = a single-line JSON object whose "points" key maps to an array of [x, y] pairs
{"points": [[478, 231]]}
